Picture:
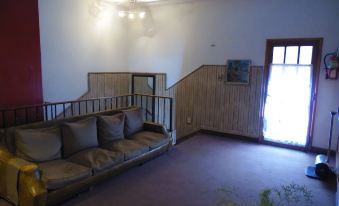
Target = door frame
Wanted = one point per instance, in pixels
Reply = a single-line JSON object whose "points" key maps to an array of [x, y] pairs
{"points": [[316, 61], [153, 76]]}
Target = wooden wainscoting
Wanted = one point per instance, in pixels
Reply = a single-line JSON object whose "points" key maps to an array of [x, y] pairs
{"points": [[202, 96], [210, 103]]}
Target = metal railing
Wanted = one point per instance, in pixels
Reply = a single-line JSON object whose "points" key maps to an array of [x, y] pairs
{"points": [[157, 109]]}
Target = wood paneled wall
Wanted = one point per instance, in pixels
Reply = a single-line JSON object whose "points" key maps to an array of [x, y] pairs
{"points": [[202, 96], [210, 103], [108, 84]]}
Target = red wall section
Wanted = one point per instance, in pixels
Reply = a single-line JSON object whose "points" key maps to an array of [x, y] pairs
{"points": [[20, 62]]}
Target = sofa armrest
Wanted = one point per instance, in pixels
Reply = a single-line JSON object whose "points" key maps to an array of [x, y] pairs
{"points": [[159, 128], [17, 180], [32, 192], [155, 127]]}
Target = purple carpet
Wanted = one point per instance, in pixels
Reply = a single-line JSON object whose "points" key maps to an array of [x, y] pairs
{"points": [[194, 171]]}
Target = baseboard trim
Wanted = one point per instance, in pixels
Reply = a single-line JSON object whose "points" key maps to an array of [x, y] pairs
{"points": [[228, 135], [315, 150], [318, 150], [186, 137], [287, 146]]}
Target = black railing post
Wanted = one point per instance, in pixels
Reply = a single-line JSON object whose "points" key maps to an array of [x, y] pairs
{"points": [[153, 108], [51, 107], [146, 107], [72, 109], [164, 113], [171, 114], [15, 117], [132, 99], [158, 118], [55, 111], [26, 115], [46, 113], [3, 119], [86, 105], [64, 110], [79, 103]]}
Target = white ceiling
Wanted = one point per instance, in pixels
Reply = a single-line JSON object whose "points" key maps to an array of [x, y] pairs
{"points": [[152, 2]]}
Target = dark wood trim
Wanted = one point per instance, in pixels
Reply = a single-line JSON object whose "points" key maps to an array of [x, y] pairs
{"points": [[316, 61], [228, 135], [202, 66], [144, 75], [141, 73], [318, 150], [287, 146], [153, 76], [186, 137], [315, 150], [313, 105]]}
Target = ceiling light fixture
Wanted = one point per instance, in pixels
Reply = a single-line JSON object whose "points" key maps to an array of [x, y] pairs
{"points": [[122, 14], [131, 12]]}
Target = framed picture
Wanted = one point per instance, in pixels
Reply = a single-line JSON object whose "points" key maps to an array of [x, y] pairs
{"points": [[238, 71]]}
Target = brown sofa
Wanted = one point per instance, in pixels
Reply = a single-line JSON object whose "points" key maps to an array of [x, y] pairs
{"points": [[46, 163]]}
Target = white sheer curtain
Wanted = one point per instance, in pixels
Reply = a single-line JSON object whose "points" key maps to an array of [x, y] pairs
{"points": [[287, 107]]}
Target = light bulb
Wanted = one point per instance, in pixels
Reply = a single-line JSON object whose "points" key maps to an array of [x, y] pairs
{"points": [[131, 16], [122, 14], [142, 15]]}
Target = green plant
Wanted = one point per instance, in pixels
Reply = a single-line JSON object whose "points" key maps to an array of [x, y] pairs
{"points": [[292, 194], [285, 195]]}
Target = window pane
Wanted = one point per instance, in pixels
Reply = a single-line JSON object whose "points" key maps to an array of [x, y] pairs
{"points": [[305, 55], [291, 55], [278, 55]]}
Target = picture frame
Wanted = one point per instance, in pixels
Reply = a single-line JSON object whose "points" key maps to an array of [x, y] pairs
{"points": [[238, 71]]}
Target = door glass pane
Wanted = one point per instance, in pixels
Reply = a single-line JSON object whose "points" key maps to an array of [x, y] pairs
{"points": [[305, 55], [291, 55], [278, 55], [287, 106]]}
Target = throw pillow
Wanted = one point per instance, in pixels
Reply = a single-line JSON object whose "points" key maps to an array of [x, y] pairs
{"points": [[110, 128], [133, 121], [38, 145], [79, 135]]}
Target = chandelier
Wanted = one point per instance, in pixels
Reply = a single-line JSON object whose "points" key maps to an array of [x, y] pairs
{"points": [[131, 11]]}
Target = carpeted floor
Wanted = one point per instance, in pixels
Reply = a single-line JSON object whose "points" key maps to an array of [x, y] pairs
{"points": [[194, 172]]}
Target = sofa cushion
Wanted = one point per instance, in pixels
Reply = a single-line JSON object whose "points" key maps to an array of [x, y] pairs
{"points": [[38, 145], [98, 159], [110, 128], [129, 148], [152, 139], [60, 173], [133, 121], [79, 135]]}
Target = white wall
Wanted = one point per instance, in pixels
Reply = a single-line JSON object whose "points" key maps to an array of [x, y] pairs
{"points": [[177, 39], [74, 41]]}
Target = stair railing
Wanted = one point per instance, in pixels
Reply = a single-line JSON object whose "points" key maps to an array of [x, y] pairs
{"points": [[161, 109]]}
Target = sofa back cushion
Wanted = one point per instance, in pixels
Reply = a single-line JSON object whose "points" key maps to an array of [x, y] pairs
{"points": [[133, 121], [79, 135], [38, 145], [110, 128]]}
